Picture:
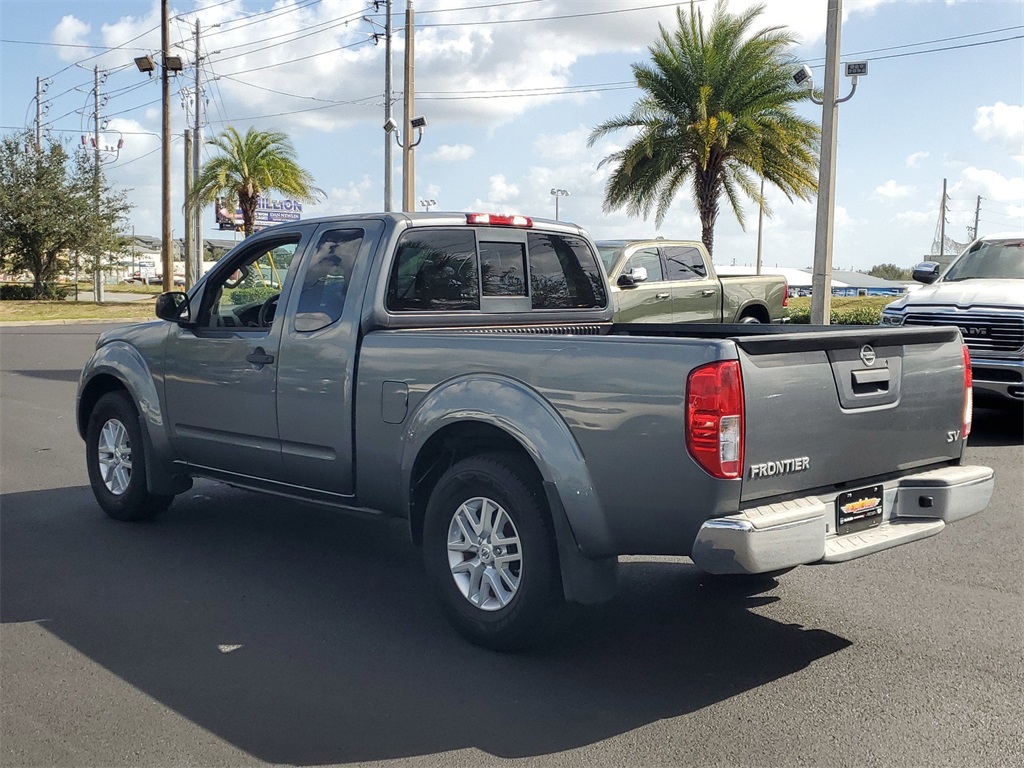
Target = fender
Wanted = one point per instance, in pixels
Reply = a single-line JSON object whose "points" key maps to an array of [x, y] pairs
{"points": [[580, 523], [123, 362]]}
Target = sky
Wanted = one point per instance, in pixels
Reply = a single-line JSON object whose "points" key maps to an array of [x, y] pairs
{"points": [[511, 92]]}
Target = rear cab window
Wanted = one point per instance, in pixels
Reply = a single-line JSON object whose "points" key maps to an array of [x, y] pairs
{"points": [[464, 269]]}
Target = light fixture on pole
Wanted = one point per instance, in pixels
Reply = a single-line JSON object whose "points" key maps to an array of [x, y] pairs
{"points": [[427, 203], [557, 194]]}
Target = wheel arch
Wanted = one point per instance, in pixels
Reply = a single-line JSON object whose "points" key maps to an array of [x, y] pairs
{"points": [[119, 367], [755, 310], [461, 418]]}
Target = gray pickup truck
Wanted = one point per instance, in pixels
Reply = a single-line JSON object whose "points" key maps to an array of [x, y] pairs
{"points": [[462, 372], [674, 281], [982, 293]]}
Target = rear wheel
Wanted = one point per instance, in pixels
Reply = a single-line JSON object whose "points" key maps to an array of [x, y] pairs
{"points": [[115, 457], [750, 319], [489, 551]]}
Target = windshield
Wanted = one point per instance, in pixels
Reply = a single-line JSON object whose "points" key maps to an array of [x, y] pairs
{"points": [[989, 259]]}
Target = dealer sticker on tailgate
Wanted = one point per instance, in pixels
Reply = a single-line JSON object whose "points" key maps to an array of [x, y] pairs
{"points": [[858, 510]]}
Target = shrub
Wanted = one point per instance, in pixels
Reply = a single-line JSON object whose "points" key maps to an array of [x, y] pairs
{"points": [[259, 293], [845, 310], [25, 292]]}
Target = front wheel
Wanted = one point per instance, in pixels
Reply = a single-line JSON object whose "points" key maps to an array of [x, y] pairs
{"points": [[489, 551], [115, 456]]}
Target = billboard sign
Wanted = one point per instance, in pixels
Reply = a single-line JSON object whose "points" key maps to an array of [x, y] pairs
{"points": [[268, 213]]}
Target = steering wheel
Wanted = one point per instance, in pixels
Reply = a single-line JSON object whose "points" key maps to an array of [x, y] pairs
{"points": [[267, 311]]}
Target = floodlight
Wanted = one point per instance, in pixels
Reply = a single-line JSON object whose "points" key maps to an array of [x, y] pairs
{"points": [[145, 63], [418, 122]]}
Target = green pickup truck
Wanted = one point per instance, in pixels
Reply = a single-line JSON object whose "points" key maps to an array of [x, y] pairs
{"points": [[674, 281]]}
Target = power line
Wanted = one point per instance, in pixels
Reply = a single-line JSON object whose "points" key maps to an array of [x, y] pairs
{"points": [[923, 42]]}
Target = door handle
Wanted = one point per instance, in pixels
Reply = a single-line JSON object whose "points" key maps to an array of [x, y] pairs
{"points": [[660, 296], [708, 292], [259, 357]]}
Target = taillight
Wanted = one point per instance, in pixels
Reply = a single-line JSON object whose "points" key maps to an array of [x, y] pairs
{"points": [[968, 395], [714, 418], [785, 295]]}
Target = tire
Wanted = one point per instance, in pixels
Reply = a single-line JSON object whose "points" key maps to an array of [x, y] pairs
{"points": [[116, 460], [499, 588], [750, 320]]}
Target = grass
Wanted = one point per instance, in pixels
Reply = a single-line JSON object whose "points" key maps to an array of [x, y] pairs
{"points": [[25, 311]]}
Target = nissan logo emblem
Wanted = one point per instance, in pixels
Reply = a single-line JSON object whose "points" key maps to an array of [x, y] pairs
{"points": [[867, 355]]}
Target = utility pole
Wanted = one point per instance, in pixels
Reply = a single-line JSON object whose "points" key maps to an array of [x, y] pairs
{"points": [[977, 215], [39, 115], [408, 160], [166, 259], [821, 281], [98, 287], [388, 170], [942, 222], [190, 212], [192, 274]]}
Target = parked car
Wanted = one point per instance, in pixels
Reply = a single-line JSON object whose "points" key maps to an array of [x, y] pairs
{"points": [[462, 372], [982, 294], [674, 281]]}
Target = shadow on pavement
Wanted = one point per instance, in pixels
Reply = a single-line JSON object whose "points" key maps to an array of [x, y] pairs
{"points": [[56, 374], [305, 637], [997, 425]]}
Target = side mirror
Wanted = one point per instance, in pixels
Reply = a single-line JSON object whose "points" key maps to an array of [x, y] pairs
{"points": [[633, 276], [174, 307], [927, 272]]}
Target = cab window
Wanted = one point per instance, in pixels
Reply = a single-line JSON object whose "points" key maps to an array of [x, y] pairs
{"points": [[245, 294], [434, 270], [564, 273], [684, 263], [326, 279]]}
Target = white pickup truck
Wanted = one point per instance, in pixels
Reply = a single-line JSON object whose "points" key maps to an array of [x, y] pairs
{"points": [[982, 293], [674, 281]]}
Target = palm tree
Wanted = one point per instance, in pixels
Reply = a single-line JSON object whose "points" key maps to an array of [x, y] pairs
{"points": [[249, 166], [716, 113]]}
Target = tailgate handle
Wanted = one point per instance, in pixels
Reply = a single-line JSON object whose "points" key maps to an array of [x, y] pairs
{"points": [[867, 382]]}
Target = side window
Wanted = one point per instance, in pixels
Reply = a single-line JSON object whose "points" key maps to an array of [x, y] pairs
{"points": [[684, 263], [503, 267], [434, 270], [649, 259], [564, 273], [327, 278], [245, 294]]}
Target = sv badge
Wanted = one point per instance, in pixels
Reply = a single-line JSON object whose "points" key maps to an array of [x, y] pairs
{"points": [[953, 435]]}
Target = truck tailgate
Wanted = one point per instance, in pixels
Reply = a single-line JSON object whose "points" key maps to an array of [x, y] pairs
{"points": [[830, 409]]}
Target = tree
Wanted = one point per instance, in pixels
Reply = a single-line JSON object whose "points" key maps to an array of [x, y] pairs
{"points": [[49, 212], [249, 166], [890, 272], [716, 114]]}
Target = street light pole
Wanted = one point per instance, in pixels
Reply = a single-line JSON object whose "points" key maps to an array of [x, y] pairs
{"points": [[408, 159], [821, 281], [557, 193]]}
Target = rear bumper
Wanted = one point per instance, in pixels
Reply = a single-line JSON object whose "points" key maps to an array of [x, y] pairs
{"points": [[802, 532]]}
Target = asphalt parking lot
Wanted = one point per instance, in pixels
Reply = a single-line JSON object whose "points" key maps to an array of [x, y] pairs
{"points": [[241, 630]]}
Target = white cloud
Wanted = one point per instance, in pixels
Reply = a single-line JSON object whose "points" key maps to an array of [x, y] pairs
{"points": [[499, 190], [917, 217], [916, 157], [893, 190], [1003, 123], [70, 31], [451, 153]]}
